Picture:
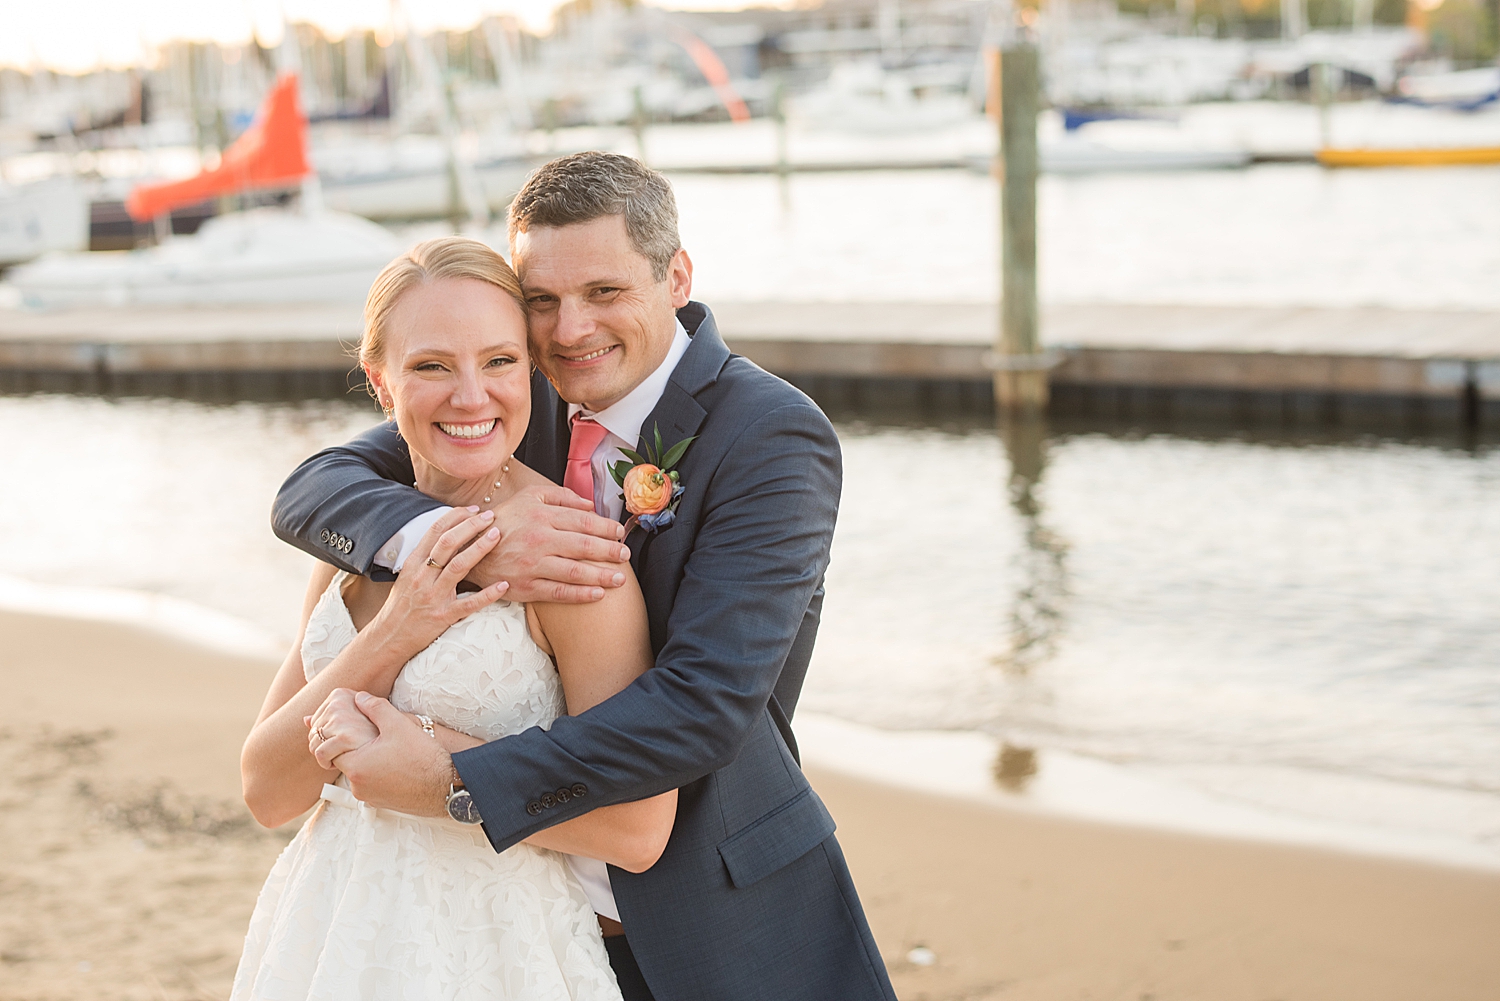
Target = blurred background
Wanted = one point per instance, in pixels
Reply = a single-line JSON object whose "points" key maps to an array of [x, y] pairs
{"points": [[1242, 567]]}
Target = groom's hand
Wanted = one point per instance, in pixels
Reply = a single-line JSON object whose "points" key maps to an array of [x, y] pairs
{"points": [[550, 544], [402, 768]]}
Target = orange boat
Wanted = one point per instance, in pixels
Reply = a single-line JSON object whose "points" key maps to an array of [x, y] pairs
{"points": [[1453, 157], [272, 153]]}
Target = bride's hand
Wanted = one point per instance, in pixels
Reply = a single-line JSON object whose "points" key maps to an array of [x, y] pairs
{"points": [[338, 726], [425, 600]]}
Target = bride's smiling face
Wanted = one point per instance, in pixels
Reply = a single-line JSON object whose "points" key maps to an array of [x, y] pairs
{"points": [[455, 369]]}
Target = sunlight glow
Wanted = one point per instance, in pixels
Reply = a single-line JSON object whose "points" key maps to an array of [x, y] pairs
{"points": [[79, 35]]}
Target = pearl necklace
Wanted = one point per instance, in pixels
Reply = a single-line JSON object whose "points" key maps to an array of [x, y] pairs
{"points": [[501, 479]]}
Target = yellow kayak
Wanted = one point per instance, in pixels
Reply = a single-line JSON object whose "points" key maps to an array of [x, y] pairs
{"points": [[1457, 156]]}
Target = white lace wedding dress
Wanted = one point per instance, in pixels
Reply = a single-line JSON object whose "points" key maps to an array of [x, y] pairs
{"points": [[373, 904]]}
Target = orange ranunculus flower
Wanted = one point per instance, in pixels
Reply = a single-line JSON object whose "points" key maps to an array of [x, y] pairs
{"points": [[648, 490]]}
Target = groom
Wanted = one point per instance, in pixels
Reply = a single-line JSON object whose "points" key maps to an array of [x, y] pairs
{"points": [[752, 898]]}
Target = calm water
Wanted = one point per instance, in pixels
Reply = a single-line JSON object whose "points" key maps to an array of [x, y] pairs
{"points": [[1273, 235], [1311, 626], [1276, 234]]}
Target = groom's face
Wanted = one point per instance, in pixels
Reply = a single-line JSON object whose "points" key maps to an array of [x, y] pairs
{"points": [[600, 322]]}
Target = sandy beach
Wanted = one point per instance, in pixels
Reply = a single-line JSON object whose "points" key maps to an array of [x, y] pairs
{"points": [[128, 866]]}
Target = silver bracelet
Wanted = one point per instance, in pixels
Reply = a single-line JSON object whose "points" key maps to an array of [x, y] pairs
{"points": [[426, 722]]}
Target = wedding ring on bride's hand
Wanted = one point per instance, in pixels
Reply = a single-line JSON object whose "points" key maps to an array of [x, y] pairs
{"points": [[321, 739], [433, 563]]}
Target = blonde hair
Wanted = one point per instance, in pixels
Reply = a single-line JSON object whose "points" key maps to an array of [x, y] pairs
{"points": [[428, 261]]}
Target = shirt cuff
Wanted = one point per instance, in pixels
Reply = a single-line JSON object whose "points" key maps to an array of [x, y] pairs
{"points": [[394, 553]]}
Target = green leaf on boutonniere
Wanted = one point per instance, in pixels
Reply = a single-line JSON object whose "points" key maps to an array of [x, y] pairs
{"points": [[649, 456], [676, 452]]}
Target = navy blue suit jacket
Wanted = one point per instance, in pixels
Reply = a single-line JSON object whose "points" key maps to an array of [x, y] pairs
{"points": [[752, 898]]}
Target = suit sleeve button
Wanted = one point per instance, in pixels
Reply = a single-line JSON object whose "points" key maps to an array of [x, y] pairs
{"points": [[580, 790], [324, 535], [564, 794], [534, 808], [548, 800]]}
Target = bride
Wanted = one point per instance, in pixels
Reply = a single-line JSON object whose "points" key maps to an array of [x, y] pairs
{"points": [[372, 903]]}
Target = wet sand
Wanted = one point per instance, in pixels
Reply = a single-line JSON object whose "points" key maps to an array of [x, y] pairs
{"points": [[128, 866], [1020, 906]]}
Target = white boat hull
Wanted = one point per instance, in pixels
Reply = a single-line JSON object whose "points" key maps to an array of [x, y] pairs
{"points": [[45, 216], [1090, 158], [266, 256], [1080, 158], [420, 194]]}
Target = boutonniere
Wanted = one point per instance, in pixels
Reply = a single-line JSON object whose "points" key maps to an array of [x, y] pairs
{"points": [[651, 486]]}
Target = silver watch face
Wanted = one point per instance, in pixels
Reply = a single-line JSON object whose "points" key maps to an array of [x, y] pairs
{"points": [[461, 807]]}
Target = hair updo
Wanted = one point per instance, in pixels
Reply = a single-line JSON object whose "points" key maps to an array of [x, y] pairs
{"points": [[428, 261]]}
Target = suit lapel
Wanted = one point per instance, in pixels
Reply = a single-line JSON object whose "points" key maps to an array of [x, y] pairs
{"points": [[678, 414], [545, 448]]}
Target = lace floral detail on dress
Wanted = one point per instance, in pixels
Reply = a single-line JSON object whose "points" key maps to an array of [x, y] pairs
{"points": [[485, 676], [368, 903], [329, 629]]}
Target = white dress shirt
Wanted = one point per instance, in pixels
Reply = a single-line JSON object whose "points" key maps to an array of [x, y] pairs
{"points": [[623, 420]]}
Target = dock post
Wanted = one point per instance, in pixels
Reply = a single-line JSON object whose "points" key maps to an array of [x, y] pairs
{"points": [[1020, 372], [778, 114], [1320, 82], [638, 122]]}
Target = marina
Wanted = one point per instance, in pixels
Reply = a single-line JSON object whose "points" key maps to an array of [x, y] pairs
{"points": [[1156, 653]]}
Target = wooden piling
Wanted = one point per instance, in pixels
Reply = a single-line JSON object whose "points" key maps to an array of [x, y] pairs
{"points": [[638, 122], [1020, 371], [1320, 82], [778, 115]]}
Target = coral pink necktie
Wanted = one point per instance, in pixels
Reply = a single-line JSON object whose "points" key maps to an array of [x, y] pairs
{"points": [[585, 439]]}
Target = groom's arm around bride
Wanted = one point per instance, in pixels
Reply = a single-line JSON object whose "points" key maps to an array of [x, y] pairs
{"points": [[752, 898]]}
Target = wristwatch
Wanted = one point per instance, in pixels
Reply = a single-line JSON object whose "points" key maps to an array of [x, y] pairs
{"points": [[461, 805]]}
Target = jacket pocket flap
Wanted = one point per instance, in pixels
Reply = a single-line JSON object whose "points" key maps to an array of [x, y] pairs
{"points": [[778, 839]]}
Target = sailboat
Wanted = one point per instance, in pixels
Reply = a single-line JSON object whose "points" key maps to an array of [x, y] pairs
{"points": [[1467, 92], [262, 256]]}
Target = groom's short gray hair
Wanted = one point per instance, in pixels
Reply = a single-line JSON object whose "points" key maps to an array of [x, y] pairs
{"points": [[583, 187]]}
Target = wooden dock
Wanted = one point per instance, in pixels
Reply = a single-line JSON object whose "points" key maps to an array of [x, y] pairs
{"points": [[1440, 365]]}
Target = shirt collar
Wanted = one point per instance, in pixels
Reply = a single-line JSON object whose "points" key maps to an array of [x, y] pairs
{"points": [[624, 417]]}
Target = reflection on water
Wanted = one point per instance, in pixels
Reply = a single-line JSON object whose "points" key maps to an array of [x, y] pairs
{"points": [[1305, 620], [160, 495], [1036, 613]]}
